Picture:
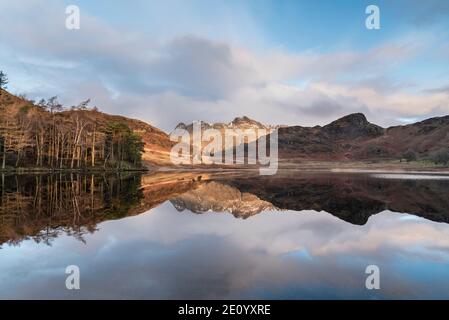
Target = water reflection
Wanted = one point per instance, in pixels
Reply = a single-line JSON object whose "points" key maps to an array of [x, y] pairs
{"points": [[287, 246], [43, 206]]}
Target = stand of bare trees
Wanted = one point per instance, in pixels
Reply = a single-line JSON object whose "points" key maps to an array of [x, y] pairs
{"points": [[44, 135]]}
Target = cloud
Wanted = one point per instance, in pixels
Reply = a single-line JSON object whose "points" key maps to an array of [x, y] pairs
{"points": [[190, 77], [196, 66], [303, 254], [444, 89], [423, 13]]}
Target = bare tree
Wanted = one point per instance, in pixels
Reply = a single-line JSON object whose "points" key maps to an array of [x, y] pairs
{"points": [[3, 80], [83, 105]]}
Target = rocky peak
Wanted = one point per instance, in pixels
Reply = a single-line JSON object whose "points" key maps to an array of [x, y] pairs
{"points": [[353, 126], [246, 122], [354, 119], [181, 125], [238, 123]]}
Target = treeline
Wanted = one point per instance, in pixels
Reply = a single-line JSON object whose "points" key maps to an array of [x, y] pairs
{"points": [[46, 135]]}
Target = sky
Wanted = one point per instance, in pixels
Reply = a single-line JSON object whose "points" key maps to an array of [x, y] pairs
{"points": [[280, 62]]}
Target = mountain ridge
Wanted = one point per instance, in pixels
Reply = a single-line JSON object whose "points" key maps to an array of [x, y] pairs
{"points": [[353, 137]]}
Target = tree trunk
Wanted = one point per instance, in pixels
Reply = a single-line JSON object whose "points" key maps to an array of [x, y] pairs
{"points": [[93, 147]]}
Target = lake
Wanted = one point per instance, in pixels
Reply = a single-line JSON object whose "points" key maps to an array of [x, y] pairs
{"points": [[228, 235]]}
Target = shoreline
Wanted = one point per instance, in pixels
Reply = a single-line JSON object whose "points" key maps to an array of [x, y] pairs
{"points": [[304, 166], [45, 170], [321, 166]]}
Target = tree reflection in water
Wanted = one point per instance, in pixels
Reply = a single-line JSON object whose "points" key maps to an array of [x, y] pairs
{"points": [[42, 207]]}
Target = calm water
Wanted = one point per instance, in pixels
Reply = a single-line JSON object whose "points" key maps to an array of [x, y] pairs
{"points": [[181, 235]]}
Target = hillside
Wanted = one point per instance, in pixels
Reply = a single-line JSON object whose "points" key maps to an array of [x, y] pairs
{"points": [[353, 137]]}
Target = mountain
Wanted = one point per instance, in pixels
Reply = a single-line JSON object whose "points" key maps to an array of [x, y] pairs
{"points": [[424, 138], [238, 123], [241, 123], [353, 126], [332, 141], [353, 137], [350, 138]]}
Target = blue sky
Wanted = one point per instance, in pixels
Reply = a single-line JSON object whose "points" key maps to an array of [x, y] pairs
{"points": [[289, 62]]}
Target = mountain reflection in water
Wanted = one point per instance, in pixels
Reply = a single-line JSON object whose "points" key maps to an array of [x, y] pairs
{"points": [[331, 211]]}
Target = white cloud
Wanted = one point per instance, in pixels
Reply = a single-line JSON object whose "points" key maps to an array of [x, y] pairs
{"points": [[167, 80]]}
